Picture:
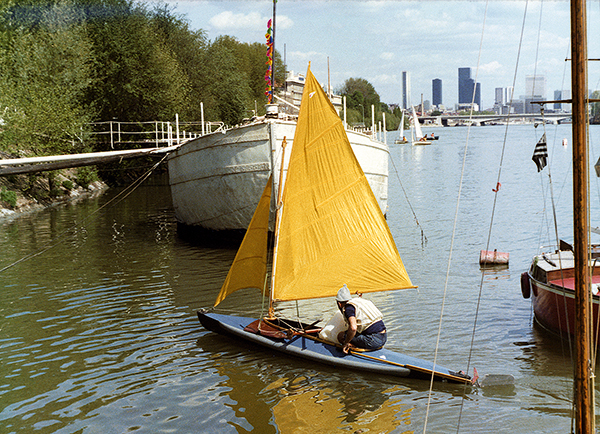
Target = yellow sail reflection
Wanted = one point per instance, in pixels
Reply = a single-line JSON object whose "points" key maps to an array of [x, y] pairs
{"points": [[250, 264], [332, 231], [322, 411]]}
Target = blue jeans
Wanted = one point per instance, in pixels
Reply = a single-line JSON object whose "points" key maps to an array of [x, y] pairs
{"points": [[369, 342]]}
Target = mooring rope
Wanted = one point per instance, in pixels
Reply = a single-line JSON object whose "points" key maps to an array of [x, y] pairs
{"points": [[423, 237], [453, 237]]}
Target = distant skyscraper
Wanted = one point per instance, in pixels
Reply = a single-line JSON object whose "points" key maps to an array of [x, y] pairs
{"points": [[562, 95], [405, 89], [465, 86], [509, 94], [436, 92], [557, 97], [535, 86], [500, 96]]}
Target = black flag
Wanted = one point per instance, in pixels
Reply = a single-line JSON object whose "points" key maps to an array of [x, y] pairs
{"points": [[540, 154]]}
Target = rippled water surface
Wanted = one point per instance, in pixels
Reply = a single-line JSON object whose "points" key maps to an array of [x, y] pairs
{"points": [[99, 333]]}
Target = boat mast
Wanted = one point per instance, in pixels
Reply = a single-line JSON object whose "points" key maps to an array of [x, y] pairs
{"points": [[584, 389], [278, 206], [273, 65]]}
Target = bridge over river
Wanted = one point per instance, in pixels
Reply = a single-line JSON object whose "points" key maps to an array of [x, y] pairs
{"points": [[480, 120]]}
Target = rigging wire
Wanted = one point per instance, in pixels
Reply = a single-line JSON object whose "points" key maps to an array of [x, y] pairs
{"points": [[553, 223], [551, 185], [423, 237], [61, 237], [591, 150], [453, 239]]}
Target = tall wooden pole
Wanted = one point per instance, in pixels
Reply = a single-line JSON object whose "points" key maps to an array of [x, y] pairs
{"points": [[584, 407]]}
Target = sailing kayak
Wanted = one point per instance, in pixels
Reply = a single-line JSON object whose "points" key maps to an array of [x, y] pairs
{"points": [[307, 346]]}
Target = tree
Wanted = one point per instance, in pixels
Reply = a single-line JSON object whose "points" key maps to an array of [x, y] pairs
{"points": [[359, 92], [224, 90], [44, 74], [188, 48], [66, 63], [137, 75]]}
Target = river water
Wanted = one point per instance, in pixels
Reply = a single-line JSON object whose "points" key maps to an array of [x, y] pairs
{"points": [[99, 331]]}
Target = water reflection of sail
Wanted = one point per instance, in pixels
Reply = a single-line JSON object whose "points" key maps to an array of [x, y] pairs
{"points": [[353, 407], [241, 386]]}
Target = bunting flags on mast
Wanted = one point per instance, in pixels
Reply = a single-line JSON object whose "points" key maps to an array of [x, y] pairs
{"points": [[269, 62], [540, 153]]}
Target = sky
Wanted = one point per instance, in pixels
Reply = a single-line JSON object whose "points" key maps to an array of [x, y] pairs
{"points": [[502, 41]]}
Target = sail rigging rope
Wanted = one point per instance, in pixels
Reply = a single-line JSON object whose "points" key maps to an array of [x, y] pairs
{"points": [[423, 237], [462, 174], [493, 206], [95, 214]]}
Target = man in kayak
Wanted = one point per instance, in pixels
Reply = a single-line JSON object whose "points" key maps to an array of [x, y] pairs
{"points": [[365, 322]]}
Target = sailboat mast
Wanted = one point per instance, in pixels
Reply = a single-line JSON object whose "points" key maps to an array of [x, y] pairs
{"points": [[584, 407], [273, 65], [277, 221]]}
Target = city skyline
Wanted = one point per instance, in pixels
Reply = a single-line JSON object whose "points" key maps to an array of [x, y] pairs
{"points": [[377, 40]]}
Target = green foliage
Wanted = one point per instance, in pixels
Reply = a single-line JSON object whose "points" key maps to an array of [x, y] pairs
{"points": [[360, 96], [86, 175], [67, 184], [136, 73], [55, 192], [67, 63], [468, 113], [224, 89], [44, 73], [8, 197]]}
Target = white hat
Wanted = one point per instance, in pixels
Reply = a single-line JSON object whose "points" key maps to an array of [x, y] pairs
{"points": [[343, 294]]}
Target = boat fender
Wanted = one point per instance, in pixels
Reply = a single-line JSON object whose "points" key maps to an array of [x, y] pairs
{"points": [[525, 285]]}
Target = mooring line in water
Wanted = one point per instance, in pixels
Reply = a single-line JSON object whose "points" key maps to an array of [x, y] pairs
{"points": [[61, 237], [423, 237]]}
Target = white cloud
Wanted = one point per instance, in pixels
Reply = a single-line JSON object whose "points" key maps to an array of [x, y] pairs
{"points": [[491, 67], [228, 21], [386, 79], [283, 22], [386, 56]]}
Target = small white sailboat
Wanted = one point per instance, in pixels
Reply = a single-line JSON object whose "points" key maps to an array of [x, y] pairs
{"points": [[418, 138], [401, 139], [329, 231]]}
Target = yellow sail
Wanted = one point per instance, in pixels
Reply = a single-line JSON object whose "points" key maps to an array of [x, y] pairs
{"points": [[250, 264], [332, 231]]}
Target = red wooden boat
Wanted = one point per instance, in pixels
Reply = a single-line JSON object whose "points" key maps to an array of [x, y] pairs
{"points": [[550, 283]]}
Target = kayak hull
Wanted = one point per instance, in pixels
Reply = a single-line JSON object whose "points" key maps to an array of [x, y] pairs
{"points": [[309, 347]]}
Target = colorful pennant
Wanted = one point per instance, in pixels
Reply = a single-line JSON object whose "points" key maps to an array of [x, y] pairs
{"points": [[269, 62]]}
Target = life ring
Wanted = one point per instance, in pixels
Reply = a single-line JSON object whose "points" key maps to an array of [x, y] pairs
{"points": [[525, 286]]}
